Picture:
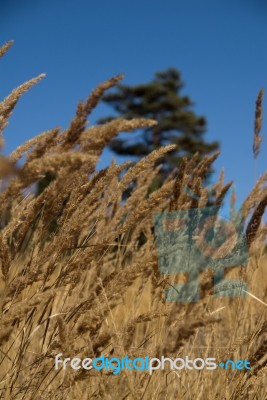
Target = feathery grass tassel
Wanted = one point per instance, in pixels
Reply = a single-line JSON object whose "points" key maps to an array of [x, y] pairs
{"points": [[257, 139]]}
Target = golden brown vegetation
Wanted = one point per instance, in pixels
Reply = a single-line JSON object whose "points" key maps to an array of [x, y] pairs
{"points": [[80, 276]]}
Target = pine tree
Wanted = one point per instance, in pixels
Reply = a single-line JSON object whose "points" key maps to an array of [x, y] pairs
{"points": [[160, 99]]}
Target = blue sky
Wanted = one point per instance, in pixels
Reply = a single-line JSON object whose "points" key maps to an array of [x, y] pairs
{"points": [[218, 46]]}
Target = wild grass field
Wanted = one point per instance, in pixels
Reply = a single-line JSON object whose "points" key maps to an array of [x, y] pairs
{"points": [[80, 273]]}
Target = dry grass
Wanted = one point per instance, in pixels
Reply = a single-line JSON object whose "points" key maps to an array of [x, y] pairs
{"points": [[80, 276]]}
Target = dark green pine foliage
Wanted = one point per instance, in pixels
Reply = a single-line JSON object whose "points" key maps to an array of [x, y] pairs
{"points": [[160, 99]]}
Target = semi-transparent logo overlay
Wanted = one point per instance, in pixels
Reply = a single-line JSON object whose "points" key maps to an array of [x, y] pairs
{"points": [[190, 241]]}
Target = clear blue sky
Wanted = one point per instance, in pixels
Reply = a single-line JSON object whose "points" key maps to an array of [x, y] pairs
{"points": [[218, 46]]}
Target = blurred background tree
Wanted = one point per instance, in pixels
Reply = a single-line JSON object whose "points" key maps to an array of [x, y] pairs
{"points": [[160, 99]]}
